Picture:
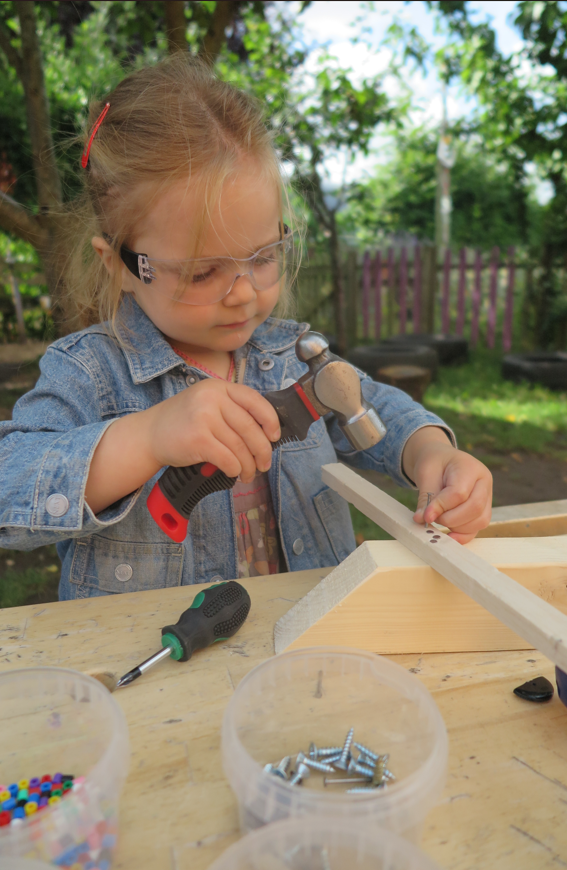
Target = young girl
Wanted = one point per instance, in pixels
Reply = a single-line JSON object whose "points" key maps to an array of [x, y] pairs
{"points": [[181, 264]]}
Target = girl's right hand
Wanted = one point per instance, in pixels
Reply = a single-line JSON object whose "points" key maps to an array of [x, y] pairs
{"points": [[215, 421]]}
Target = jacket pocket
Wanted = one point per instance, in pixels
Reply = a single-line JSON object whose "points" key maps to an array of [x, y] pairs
{"points": [[334, 514], [125, 566]]}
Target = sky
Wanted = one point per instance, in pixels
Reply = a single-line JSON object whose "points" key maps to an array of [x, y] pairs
{"points": [[333, 24]]}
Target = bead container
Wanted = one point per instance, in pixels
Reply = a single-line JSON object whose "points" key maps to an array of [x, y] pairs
{"points": [[56, 720]]}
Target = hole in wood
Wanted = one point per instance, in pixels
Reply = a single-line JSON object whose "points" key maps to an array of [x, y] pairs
{"points": [[107, 678], [429, 532]]}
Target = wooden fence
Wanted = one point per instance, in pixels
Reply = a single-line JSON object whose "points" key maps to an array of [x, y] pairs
{"points": [[419, 289]]}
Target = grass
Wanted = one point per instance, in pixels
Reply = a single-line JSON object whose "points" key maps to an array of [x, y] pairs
{"points": [[29, 578], [490, 413]]}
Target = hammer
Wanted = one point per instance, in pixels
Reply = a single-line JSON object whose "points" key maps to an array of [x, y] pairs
{"points": [[331, 384]]}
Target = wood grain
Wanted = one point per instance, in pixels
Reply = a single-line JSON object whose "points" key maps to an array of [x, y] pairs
{"points": [[527, 615], [505, 804]]}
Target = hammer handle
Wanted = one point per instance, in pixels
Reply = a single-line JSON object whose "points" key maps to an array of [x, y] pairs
{"points": [[179, 490]]}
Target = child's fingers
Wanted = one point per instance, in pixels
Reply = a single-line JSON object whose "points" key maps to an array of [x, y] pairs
{"points": [[258, 407], [250, 432], [230, 453], [476, 508]]}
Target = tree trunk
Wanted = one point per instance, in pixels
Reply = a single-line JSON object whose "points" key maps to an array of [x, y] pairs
{"points": [[223, 16], [175, 25]]}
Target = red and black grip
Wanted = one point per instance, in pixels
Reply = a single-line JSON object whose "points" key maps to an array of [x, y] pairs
{"points": [[178, 490]]}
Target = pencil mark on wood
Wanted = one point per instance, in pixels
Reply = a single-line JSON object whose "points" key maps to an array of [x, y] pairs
{"points": [[40, 612], [230, 679], [554, 855], [543, 776], [171, 721], [457, 797], [319, 689]]}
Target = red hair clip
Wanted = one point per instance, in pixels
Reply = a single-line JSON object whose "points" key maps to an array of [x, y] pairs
{"points": [[98, 122]]}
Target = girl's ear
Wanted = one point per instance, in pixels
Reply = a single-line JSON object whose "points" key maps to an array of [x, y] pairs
{"points": [[104, 251]]}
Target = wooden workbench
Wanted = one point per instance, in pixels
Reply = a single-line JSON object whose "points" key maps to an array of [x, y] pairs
{"points": [[505, 804]]}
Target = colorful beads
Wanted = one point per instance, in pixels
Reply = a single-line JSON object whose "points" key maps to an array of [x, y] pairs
{"points": [[22, 799], [24, 802]]}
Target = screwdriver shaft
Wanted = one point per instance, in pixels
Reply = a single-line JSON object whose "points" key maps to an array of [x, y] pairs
{"points": [[148, 663]]}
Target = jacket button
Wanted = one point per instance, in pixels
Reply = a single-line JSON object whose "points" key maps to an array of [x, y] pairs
{"points": [[266, 364], [190, 380], [123, 572], [217, 579], [298, 546], [57, 505]]}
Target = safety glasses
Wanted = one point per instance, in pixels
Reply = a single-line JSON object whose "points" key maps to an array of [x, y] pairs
{"points": [[204, 280]]}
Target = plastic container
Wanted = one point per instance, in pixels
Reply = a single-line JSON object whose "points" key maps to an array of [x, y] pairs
{"points": [[317, 695], [57, 720], [323, 844]]}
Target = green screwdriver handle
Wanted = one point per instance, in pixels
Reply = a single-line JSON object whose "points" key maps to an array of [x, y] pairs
{"points": [[215, 614]]}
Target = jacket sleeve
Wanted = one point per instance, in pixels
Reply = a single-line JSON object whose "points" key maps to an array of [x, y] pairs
{"points": [[45, 455], [401, 416]]}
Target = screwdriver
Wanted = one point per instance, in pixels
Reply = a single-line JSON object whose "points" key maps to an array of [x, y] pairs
{"points": [[215, 614]]}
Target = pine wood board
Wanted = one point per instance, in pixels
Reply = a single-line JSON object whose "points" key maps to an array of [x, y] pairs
{"points": [[505, 804], [523, 520], [385, 599], [537, 621]]}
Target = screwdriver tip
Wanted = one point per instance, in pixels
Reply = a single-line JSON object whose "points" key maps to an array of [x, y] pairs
{"points": [[129, 678]]}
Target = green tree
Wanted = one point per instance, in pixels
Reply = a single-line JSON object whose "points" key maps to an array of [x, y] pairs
{"points": [[522, 98], [488, 209]]}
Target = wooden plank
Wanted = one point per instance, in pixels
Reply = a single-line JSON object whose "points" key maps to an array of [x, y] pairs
{"points": [[522, 520], [365, 293], [385, 599], [476, 297], [445, 298], [177, 811], [403, 289], [429, 288], [538, 622], [378, 296], [416, 310], [492, 297], [462, 289], [509, 305]]}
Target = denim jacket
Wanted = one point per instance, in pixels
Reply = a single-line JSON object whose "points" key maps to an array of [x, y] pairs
{"points": [[88, 380]]}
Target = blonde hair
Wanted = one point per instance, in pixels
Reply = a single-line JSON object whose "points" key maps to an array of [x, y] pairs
{"points": [[165, 122]]}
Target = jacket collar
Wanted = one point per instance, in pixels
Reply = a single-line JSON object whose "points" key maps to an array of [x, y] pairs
{"points": [[149, 355]]}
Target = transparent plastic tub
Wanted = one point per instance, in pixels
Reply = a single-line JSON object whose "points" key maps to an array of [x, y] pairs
{"points": [[57, 720], [323, 844], [317, 695]]}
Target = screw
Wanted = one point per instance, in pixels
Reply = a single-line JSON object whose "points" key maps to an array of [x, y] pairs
{"points": [[268, 768], [365, 759], [316, 753], [366, 751], [281, 769], [353, 767], [360, 790], [343, 780], [300, 774], [342, 763], [314, 765]]}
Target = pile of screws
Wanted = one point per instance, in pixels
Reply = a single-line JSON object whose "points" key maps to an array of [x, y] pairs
{"points": [[368, 771]]}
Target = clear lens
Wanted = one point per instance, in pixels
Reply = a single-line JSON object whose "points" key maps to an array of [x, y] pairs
{"points": [[204, 281]]}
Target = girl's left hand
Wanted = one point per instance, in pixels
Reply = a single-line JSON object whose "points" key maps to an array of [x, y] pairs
{"points": [[461, 487]]}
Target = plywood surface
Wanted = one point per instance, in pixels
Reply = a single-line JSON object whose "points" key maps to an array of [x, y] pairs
{"points": [[505, 805]]}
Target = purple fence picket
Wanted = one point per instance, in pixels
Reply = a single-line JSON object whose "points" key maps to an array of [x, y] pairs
{"points": [[445, 315], [476, 298], [391, 292], [492, 296], [378, 295], [509, 308], [461, 298], [365, 292], [403, 289], [416, 314]]}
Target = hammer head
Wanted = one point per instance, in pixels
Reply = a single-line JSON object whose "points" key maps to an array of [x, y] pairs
{"points": [[332, 384]]}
